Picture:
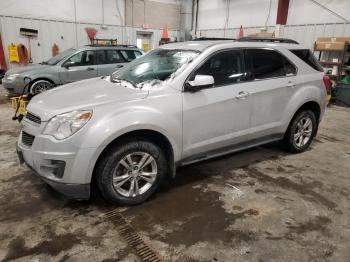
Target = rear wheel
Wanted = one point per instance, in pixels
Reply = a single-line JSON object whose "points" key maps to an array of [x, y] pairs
{"points": [[301, 132], [40, 86], [130, 173]]}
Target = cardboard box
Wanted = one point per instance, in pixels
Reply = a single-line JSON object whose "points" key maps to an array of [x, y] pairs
{"points": [[262, 35], [336, 46], [334, 39]]}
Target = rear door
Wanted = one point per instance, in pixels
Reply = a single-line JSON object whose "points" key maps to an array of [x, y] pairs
{"points": [[83, 66], [272, 80], [109, 61]]}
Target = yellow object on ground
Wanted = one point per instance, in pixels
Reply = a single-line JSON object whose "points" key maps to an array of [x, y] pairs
{"points": [[13, 53], [14, 102], [22, 102], [23, 107]]}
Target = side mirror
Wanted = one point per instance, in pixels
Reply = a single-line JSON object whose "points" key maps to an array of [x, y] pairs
{"points": [[68, 64], [199, 82]]}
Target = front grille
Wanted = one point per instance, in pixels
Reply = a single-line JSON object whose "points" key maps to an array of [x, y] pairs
{"points": [[33, 118], [27, 139]]}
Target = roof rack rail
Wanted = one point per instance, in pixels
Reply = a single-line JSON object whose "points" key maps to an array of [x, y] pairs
{"points": [[127, 46], [103, 42], [212, 39], [263, 39], [107, 42], [131, 46]]}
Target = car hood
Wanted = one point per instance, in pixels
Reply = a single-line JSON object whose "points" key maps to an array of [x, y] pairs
{"points": [[81, 95], [27, 69]]}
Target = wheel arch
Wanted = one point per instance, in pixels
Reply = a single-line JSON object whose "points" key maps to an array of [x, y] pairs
{"points": [[40, 79], [309, 105], [148, 134]]}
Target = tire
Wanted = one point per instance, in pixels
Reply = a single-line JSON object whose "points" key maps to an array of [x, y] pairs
{"points": [[116, 177], [301, 132], [40, 86]]}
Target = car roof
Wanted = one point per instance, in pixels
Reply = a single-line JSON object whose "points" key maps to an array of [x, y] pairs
{"points": [[204, 44]]}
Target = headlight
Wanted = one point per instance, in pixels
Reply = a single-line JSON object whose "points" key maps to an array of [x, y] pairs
{"points": [[65, 125], [12, 77]]}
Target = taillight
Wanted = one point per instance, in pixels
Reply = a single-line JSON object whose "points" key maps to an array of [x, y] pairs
{"points": [[327, 84]]}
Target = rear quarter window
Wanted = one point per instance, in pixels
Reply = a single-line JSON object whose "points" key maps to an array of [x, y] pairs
{"points": [[267, 63], [308, 58]]}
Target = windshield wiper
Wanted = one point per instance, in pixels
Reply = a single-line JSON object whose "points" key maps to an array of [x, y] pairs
{"points": [[151, 83], [43, 63], [119, 80]]}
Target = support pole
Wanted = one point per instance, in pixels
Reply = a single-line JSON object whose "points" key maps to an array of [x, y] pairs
{"points": [[282, 12]]}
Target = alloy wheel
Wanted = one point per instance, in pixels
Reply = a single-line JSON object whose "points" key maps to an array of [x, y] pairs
{"points": [[40, 87], [303, 131], [134, 174]]}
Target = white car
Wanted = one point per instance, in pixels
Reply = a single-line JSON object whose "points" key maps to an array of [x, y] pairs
{"points": [[178, 104]]}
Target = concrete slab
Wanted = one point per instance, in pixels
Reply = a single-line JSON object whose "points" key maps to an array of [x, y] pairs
{"points": [[259, 205]]}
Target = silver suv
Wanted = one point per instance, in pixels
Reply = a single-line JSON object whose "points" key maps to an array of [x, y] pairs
{"points": [[69, 66], [178, 104]]}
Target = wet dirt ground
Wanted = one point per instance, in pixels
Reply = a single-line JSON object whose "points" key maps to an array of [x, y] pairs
{"points": [[259, 205]]}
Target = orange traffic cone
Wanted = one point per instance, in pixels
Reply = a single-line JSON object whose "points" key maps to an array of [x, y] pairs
{"points": [[241, 33], [165, 34]]}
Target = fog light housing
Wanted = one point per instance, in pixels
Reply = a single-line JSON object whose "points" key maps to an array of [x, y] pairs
{"points": [[53, 168]]}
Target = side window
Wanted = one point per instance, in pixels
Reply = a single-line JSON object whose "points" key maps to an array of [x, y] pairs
{"points": [[266, 63], [289, 67], [225, 67], [109, 57], [84, 58], [308, 57], [130, 55], [77, 58]]}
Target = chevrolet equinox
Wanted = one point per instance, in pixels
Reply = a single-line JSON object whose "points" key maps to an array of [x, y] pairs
{"points": [[178, 104]]}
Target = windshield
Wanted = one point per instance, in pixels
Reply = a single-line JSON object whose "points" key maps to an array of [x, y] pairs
{"points": [[54, 60], [158, 65]]}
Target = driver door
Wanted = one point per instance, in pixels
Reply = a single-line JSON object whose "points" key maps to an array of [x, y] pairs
{"points": [[217, 117], [82, 66]]}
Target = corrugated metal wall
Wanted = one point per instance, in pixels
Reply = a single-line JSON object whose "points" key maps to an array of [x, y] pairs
{"points": [[64, 35], [304, 34], [307, 34], [231, 32]]}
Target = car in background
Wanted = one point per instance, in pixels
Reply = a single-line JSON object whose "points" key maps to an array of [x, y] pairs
{"points": [[69, 66]]}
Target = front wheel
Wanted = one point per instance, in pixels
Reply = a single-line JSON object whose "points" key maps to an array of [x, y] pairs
{"points": [[130, 173], [40, 86], [301, 132]]}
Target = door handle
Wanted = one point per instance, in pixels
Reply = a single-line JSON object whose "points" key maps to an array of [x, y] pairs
{"points": [[290, 84], [119, 66], [242, 95], [90, 69]]}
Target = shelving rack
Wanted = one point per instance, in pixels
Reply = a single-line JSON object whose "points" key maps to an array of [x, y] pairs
{"points": [[331, 48]]}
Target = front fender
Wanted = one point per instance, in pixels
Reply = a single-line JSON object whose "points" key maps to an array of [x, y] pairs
{"points": [[111, 126]]}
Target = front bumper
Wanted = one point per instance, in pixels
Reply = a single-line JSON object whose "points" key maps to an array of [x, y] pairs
{"points": [[74, 180], [13, 86], [74, 191]]}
